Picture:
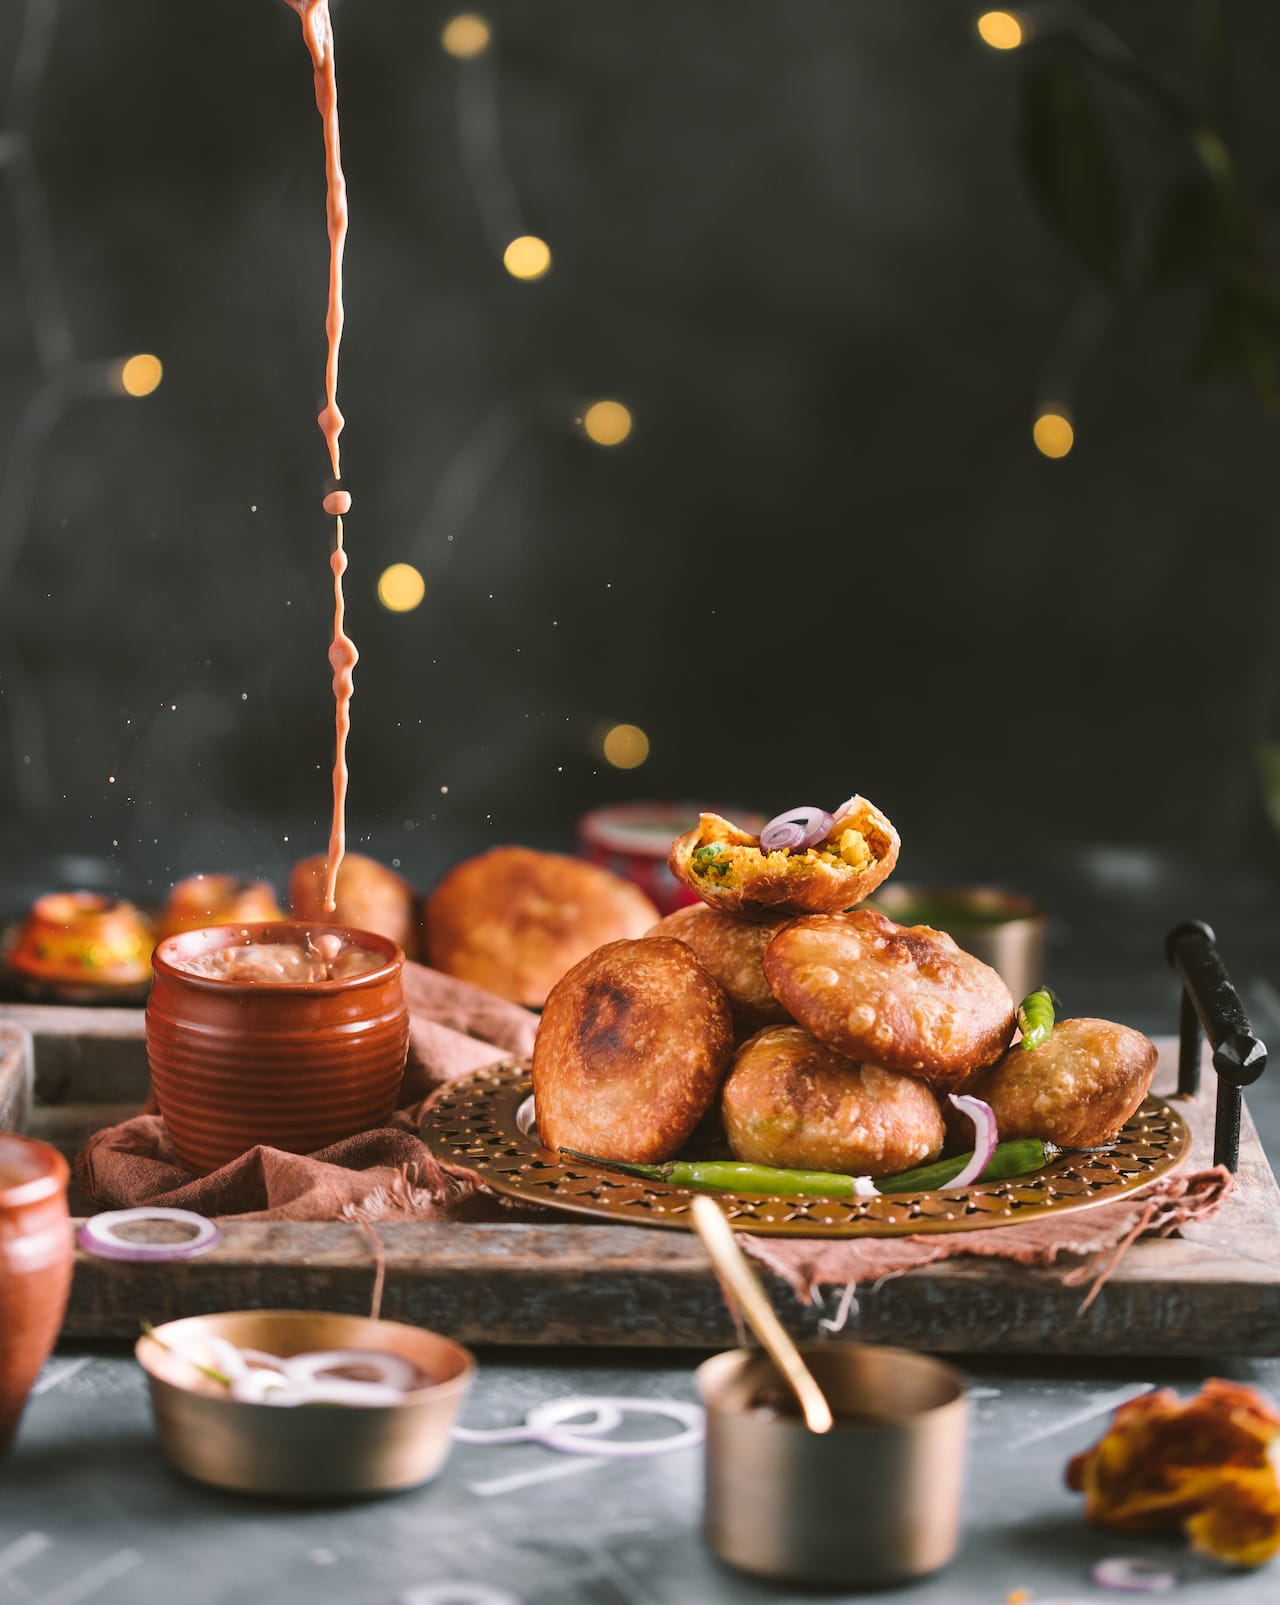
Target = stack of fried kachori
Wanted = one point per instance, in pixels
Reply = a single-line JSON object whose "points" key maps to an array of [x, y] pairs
{"points": [[851, 1031]]}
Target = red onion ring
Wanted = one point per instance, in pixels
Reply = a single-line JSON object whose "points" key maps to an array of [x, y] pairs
{"points": [[796, 828], [98, 1235], [985, 1136], [392, 1370], [1132, 1575]]}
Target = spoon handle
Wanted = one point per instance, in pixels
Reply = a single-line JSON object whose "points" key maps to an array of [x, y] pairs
{"points": [[738, 1277]]}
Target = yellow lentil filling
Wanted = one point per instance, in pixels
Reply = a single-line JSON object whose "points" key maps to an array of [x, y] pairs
{"points": [[719, 863]]}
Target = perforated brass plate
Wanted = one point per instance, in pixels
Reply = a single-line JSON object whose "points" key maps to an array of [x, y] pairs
{"points": [[476, 1125]]}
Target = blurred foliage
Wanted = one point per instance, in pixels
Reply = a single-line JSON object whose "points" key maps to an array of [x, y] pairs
{"points": [[1268, 755], [1208, 230]]}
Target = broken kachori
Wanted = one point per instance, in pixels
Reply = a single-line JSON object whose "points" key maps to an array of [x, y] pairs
{"points": [[732, 951], [803, 862], [1076, 1089], [514, 920], [905, 997], [631, 1050], [791, 1101]]}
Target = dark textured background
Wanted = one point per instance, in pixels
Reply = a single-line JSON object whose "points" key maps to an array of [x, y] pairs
{"points": [[796, 241]]}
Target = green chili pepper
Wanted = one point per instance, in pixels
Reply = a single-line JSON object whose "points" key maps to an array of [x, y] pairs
{"points": [[1036, 1017], [725, 1175], [1007, 1159]]}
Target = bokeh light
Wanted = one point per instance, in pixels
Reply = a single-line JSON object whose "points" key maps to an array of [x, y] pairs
{"points": [[466, 35], [140, 375], [608, 423], [626, 746], [1001, 30], [1053, 433], [527, 257], [401, 588]]}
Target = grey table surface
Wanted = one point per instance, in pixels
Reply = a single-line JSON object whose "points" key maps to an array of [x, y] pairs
{"points": [[90, 1511]]}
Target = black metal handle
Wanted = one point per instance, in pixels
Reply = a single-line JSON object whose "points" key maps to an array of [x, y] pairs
{"points": [[1210, 1004]]}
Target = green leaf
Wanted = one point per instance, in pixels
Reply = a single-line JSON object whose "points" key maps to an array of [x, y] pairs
{"points": [[1072, 168], [1238, 339], [1268, 757], [1189, 235]]}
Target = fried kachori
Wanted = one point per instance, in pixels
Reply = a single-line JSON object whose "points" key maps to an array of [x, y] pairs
{"points": [[729, 870], [790, 1100], [1077, 1089], [367, 896], [631, 1050], [905, 997], [515, 920], [201, 900], [731, 951]]}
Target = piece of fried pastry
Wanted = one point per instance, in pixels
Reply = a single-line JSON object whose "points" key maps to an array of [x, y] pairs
{"points": [[790, 1100], [367, 896], [1077, 1089], [201, 900], [631, 1050], [732, 951], [902, 996], [1206, 1464], [729, 869], [515, 920]]}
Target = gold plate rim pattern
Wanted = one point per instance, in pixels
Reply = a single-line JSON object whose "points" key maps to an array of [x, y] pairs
{"points": [[473, 1126]]}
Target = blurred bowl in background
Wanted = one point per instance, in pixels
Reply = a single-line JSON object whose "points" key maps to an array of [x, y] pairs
{"points": [[1003, 929], [633, 840]]}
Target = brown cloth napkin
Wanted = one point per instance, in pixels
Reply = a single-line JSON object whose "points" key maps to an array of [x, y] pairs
{"points": [[454, 1028], [1100, 1236]]}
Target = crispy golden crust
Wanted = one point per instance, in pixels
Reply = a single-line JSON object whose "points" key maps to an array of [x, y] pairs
{"points": [[216, 900], [791, 1101], [738, 878], [902, 996], [731, 950], [514, 920], [1077, 1089], [631, 1050], [368, 896]]}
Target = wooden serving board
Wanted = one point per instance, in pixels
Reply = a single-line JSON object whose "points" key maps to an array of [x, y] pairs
{"points": [[64, 1072]]}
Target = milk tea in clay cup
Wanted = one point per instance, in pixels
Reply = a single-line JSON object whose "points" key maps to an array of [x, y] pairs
{"points": [[35, 1267], [292, 1035]]}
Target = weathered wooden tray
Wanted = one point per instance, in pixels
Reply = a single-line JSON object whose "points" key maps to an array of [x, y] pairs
{"points": [[65, 1072]]}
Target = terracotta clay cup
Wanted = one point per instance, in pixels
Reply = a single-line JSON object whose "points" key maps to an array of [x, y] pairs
{"points": [[295, 1065], [35, 1267]]}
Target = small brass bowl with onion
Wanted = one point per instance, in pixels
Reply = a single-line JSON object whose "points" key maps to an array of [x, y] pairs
{"points": [[299, 1404], [1003, 929]]}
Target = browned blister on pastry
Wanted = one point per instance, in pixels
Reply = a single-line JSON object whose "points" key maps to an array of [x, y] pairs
{"points": [[902, 996], [367, 896], [727, 869], [1205, 1464], [631, 1050], [1077, 1089], [789, 1100], [514, 920], [732, 951]]}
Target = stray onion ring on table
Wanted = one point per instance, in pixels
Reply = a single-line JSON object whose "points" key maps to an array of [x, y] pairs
{"points": [[98, 1235]]}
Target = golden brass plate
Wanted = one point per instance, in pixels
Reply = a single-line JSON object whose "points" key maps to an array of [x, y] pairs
{"points": [[475, 1125]]}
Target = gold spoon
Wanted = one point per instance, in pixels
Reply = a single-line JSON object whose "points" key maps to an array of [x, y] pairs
{"points": [[740, 1280]]}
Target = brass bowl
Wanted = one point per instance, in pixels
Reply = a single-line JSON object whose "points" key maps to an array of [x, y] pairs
{"points": [[875, 1501], [1003, 929], [328, 1452]]}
